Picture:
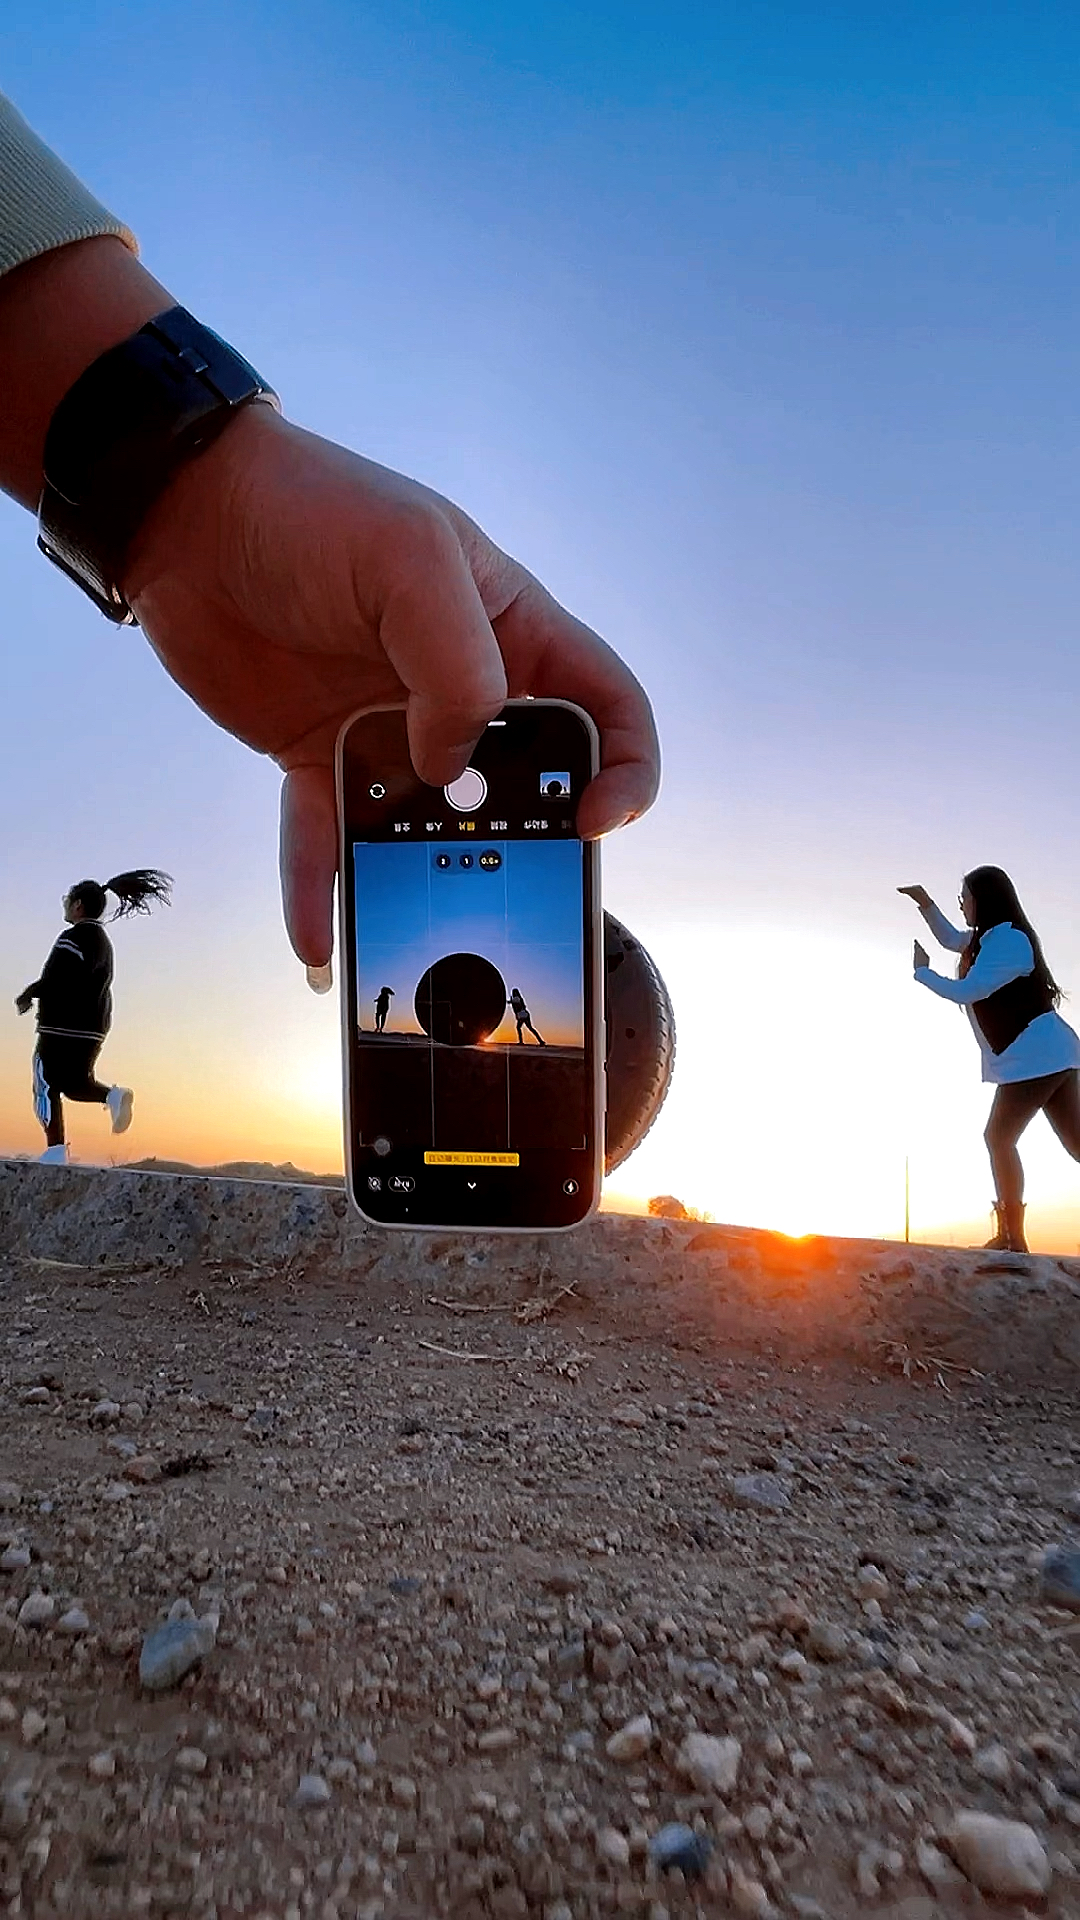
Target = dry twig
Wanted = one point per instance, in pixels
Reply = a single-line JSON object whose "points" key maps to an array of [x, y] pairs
{"points": [[451, 1353], [541, 1305], [898, 1355]]}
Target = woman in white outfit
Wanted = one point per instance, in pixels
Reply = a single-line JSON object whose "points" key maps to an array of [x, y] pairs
{"points": [[1029, 1053]]}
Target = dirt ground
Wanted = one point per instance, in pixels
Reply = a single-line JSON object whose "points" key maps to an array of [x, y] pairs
{"points": [[457, 1533]]}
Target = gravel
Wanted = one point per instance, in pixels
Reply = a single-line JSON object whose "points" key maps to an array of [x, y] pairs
{"points": [[444, 1639]]}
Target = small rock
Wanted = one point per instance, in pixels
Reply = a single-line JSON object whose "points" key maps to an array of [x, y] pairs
{"points": [[561, 1580], [748, 1896], [1003, 1857], [793, 1665], [32, 1726], [190, 1760], [993, 1763], [312, 1791], [101, 1766], [497, 1740], [75, 1620], [613, 1846], [960, 1737], [472, 1833], [10, 1496], [105, 1414], [143, 1469], [765, 1491], [677, 1847], [1060, 1577], [37, 1609], [631, 1741], [872, 1584], [170, 1650], [710, 1763], [15, 1559], [936, 1868], [827, 1642], [14, 1809]]}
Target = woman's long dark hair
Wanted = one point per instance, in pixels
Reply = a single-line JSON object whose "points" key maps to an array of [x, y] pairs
{"points": [[997, 902], [136, 892]]}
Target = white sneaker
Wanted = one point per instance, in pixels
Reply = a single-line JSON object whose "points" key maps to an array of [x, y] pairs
{"points": [[120, 1103], [54, 1156]]}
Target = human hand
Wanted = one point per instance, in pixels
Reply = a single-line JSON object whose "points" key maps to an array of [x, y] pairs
{"points": [[918, 894], [24, 1002], [285, 582], [922, 958]]}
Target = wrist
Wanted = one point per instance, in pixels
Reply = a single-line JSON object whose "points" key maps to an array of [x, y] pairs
{"points": [[193, 514], [58, 314]]}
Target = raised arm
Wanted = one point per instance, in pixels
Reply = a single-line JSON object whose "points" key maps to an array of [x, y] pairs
{"points": [[946, 935], [1005, 955]]}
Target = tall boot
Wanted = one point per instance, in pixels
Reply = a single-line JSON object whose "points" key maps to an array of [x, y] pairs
{"points": [[1009, 1238]]}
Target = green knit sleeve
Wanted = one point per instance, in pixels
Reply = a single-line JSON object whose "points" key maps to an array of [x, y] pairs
{"points": [[42, 204]]}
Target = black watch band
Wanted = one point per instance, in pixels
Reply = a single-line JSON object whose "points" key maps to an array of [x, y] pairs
{"points": [[119, 435]]}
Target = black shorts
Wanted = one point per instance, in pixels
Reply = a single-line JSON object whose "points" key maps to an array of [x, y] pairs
{"points": [[64, 1065]]}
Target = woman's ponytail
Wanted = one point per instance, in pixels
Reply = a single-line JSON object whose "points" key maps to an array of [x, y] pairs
{"points": [[139, 890]]}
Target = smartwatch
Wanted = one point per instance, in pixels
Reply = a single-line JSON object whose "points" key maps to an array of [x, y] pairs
{"points": [[120, 433]]}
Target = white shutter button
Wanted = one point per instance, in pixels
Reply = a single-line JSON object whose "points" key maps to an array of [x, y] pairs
{"points": [[467, 792]]}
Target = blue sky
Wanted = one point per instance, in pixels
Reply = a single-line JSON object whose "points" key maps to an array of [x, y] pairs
{"points": [[525, 917], [752, 330]]}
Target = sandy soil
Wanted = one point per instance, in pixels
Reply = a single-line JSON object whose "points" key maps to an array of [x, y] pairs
{"points": [[457, 1532]]}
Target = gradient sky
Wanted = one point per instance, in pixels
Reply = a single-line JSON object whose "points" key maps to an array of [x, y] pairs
{"points": [[753, 330], [525, 917]]}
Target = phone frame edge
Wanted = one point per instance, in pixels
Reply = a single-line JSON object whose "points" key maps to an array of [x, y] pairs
{"points": [[591, 849]]}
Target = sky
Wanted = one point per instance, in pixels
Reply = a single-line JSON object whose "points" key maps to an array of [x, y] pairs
{"points": [[524, 916], [750, 329]]}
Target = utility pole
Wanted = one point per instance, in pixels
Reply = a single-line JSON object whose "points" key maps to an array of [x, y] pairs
{"points": [[907, 1199]]}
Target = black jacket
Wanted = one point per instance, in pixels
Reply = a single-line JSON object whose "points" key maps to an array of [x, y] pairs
{"points": [[74, 993]]}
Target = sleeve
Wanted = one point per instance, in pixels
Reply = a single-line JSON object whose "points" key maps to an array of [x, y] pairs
{"points": [[42, 204], [1005, 955], [944, 932]]}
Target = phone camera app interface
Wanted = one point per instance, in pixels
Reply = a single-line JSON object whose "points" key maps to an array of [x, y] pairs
{"points": [[470, 1009]]}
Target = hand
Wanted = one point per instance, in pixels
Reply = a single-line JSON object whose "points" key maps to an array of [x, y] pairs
{"points": [[284, 582], [919, 895], [24, 1002], [922, 958]]}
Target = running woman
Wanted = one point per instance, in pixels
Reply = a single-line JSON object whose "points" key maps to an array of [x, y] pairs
{"points": [[1029, 1053], [74, 996]]}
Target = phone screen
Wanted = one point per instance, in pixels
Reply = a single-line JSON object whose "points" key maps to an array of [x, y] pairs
{"points": [[470, 917]]}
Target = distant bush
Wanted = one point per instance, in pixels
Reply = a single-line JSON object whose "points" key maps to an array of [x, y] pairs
{"points": [[664, 1206]]}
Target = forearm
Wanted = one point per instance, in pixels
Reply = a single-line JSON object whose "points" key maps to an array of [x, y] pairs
{"points": [[57, 314], [946, 935]]}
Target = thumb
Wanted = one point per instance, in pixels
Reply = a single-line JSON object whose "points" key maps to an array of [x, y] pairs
{"points": [[308, 862], [440, 642]]}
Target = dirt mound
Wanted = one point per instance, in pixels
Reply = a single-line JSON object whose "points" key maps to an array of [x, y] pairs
{"points": [[505, 1556]]}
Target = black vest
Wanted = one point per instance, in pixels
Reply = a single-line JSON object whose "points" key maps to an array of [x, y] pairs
{"points": [[1003, 1016]]}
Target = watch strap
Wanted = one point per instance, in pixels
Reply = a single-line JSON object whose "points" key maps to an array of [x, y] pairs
{"points": [[120, 433]]}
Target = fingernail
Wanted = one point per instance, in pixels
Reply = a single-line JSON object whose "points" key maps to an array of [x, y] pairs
{"points": [[320, 979]]}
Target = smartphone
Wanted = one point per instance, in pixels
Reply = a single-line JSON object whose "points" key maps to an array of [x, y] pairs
{"points": [[471, 976]]}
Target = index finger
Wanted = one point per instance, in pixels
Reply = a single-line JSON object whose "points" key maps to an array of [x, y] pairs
{"points": [[550, 654]]}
